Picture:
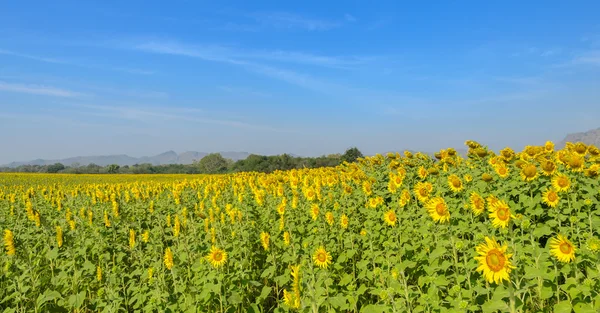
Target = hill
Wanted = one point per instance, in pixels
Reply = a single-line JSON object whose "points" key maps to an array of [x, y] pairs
{"points": [[590, 137], [168, 157]]}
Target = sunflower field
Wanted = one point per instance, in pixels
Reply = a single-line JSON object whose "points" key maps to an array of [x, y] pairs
{"points": [[489, 232]]}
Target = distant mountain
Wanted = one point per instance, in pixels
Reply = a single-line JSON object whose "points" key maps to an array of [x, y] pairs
{"points": [[169, 157], [590, 137]]}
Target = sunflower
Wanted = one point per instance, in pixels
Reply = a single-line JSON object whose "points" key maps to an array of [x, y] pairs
{"points": [[468, 178], [314, 211], [477, 203], [501, 170], [322, 258], [438, 210], [576, 162], [367, 188], [550, 197], [390, 217], [549, 146], [486, 177], [286, 238], [529, 172], [9, 242], [548, 167], [562, 249], [455, 183], [264, 240], [561, 183], [310, 194], [500, 214], [593, 244], [493, 260], [422, 191], [422, 172], [404, 198], [168, 259], [217, 257], [580, 148], [344, 221], [329, 218]]}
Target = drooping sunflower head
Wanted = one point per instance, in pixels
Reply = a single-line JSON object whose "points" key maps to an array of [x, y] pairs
{"points": [[550, 197], [486, 177], [314, 211], [264, 240], [322, 258], [493, 260], [286, 238], [561, 183], [562, 249], [390, 217], [507, 153], [329, 218], [529, 172], [593, 170], [217, 257], [438, 210], [580, 148]]}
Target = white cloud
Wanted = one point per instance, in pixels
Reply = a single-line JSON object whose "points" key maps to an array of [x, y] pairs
{"points": [[38, 90], [285, 20]]}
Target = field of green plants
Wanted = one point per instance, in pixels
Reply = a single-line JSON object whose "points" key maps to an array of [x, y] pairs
{"points": [[491, 232]]}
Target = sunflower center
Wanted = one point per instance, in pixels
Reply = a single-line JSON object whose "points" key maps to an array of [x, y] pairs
{"points": [[310, 194], [423, 192], [502, 213], [440, 208], [392, 217], [552, 196], [495, 260], [217, 256], [563, 182], [456, 183], [502, 171], [548, 166], [565, 248], [322, 257]]}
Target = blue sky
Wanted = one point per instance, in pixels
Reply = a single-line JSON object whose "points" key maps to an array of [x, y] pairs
{"points": [[302, 77]]}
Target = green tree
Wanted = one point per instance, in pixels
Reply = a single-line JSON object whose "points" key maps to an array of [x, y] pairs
{"points": [[213, 163], [113, 168], [55, 168], [351, 155]]}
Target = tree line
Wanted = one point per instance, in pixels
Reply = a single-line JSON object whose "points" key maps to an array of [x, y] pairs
{"points": [[213, 163]]}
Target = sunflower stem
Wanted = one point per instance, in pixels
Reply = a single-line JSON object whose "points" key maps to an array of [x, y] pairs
{"points": [[511, 294]]}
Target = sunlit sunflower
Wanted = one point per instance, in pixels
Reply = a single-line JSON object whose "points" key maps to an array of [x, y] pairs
{"points": [[562, 249], [286, 238], [329, 218], [576, 162], [549, 146], [493, 260], [344, 221], [477, 203], [500, 214], [322, 258], [529, 172], [580, 148], [216, 257], [501, 170], [367, 188], [438, 210], [422, 191], [486, 177], [314, 211], [422, 172], [455, 183], [561, 183], [550, 197], [264, 240], [390, 217], [468, 178], [168, 258]]}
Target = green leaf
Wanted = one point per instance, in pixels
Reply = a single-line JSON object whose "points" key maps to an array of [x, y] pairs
{"points": [[338, 302], [494, 305], [584, 308], [374, 308], [76, 301], [563, 307], [265, 292], [47, 296]]}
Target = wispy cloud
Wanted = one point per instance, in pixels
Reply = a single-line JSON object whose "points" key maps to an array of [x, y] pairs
{"points": [[244, 91], [224, 55], [350, 18], [38, 90], [286, 20], [77, 64], [152, 114]]}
